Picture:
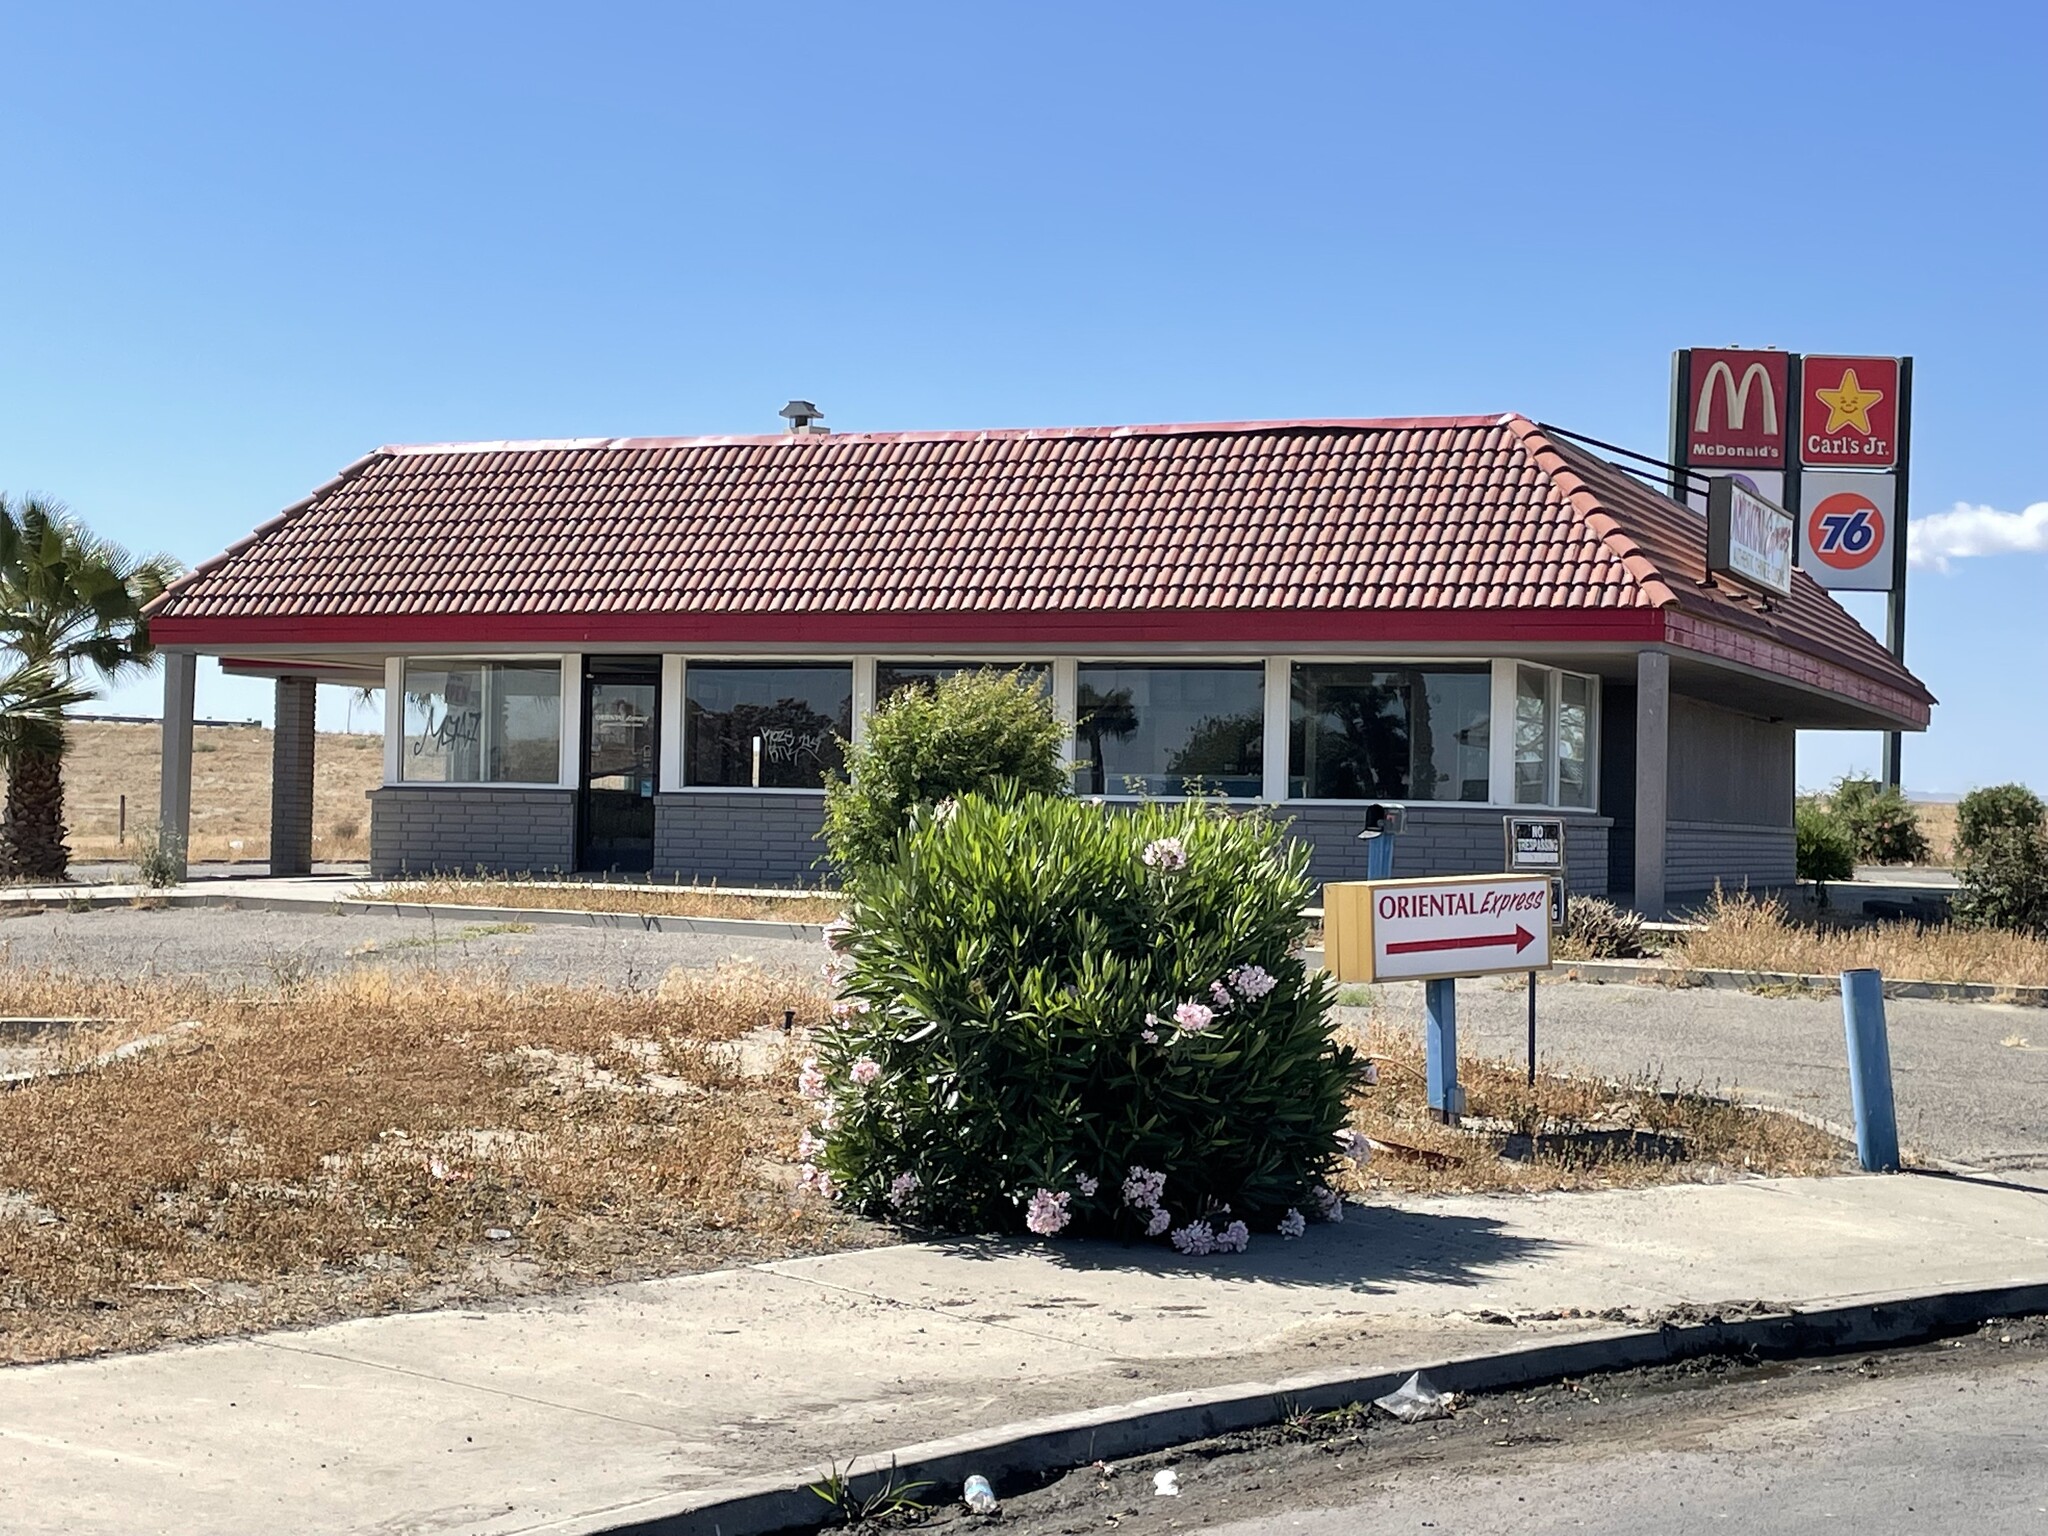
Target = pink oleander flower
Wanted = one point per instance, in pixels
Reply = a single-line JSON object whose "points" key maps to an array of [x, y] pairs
{"points": [[1371, 1079], [1166, 854], [1195, 1239], [945, 810], [1293, 1224], [849, 1008], [1252, 982], [1355, 1146], [903, 1190], [1234, 1238], [808, 1147], [829, 1120], [1329, 1204], [1143, 1188], [1193, 1017], [1161, 1220], [818, 1182], [810, 1079], [1219, 994], [1047, 1213], [1086, 1184], [866, 1071], [837, 969], [837, 931]]}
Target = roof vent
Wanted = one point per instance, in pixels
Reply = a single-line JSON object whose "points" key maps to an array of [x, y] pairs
{"points": [[803, 416]]}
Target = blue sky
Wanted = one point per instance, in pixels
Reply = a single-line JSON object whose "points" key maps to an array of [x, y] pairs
{"points": [[247, 244]]}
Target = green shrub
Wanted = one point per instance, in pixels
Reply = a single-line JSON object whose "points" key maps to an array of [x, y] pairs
{"points": [[974, 730], [2005, 882], [1997, 807], [159, 856], [1599, 930], [1826, 846], [1047, 1000], [1881, 820]]}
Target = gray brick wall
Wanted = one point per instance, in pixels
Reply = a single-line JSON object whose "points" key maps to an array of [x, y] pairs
{"points": [[428, 829], [1699, 853], [1440, 840], [741, 838], [291, 778]]}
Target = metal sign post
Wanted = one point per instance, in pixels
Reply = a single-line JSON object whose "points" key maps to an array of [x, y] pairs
{"points": [[1536, 843]]}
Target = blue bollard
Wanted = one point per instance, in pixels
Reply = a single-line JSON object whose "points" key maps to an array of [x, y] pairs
{"points": [[1870, 1072], [1440, 1001]]}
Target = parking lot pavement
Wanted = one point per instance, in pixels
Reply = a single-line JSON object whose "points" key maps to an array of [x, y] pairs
{"points": [[271, 948], [1971, 1079]]}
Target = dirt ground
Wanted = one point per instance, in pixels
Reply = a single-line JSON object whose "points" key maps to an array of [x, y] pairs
{"points": [[230, 790]]}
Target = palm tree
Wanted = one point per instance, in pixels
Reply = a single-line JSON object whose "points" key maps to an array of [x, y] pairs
{"points": [[70, 606]]}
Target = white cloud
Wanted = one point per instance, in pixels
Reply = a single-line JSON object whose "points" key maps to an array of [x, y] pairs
{"points": [[1964, 532]]}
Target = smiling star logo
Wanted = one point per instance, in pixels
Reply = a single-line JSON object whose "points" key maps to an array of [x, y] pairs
{"points": [[1849, 403]]}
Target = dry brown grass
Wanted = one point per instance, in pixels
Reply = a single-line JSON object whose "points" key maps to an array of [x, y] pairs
{"points": [[1564, 1132], [346, 1147], [1938, 824], [230, 790], [1746, 933], [645, 900]]}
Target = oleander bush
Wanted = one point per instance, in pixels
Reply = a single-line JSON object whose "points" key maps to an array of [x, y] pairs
{"points": [[1995, 808], [1058, 1016], [966, 735], [2005, 882]]}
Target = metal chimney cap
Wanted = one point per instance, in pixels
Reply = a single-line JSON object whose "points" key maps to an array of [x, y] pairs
{"points": [[800, 411]]}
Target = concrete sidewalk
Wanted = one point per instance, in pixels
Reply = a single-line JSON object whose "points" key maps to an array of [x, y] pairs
{"points": [[564, 1414]]}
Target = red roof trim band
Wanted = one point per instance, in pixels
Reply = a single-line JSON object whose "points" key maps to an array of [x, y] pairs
{"points": [[1620, 626]]}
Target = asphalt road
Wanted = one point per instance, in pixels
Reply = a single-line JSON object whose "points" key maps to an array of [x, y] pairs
{"points": [[273, 948], [1970, 1079], [1934, 1440]]}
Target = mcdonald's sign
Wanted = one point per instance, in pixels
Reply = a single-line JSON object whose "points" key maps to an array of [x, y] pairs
{"points": [[1736, 408]]}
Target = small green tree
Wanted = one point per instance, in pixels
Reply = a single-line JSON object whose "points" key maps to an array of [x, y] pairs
{"points": [[1881, 821], [1826, 848], [1995, 808], [2005, 882], [926, 744]]}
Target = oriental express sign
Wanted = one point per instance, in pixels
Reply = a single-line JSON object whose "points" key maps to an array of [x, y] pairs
{"points": [[1421, 930]]}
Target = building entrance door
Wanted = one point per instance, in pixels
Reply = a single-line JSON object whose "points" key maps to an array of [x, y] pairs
{"points": [[621, 737]]}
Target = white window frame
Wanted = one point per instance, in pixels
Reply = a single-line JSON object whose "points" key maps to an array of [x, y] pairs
{"points": [[1506, 689], [568, 765]]}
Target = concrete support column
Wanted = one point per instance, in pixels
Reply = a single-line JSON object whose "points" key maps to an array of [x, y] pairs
{"points": [[1653, 778], [174, 784], [291, 778]]}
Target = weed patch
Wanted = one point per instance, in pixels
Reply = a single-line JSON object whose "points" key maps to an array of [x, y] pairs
{"points": [[641, 900]]}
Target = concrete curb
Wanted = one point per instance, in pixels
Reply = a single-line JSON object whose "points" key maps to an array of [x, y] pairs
{"points": [[1030, 1450], [352, 906]]}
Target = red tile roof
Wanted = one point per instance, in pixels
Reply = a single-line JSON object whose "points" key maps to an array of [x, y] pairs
{"points": [[1481, 528]]}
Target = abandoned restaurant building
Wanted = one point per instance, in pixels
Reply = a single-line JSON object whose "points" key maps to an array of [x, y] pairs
{"points": [[641, 654]]}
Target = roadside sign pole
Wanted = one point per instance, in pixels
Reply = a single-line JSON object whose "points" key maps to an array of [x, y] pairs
{"points": [[1440, 1000], [1532, 1029], [1895, 600]]}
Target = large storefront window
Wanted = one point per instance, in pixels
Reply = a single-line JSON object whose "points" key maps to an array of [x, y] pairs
{"points": [[1574, 739], [482, 722], [764, 725], [1532, 736], [895, 676], [1389, 733], [1159, 730]]}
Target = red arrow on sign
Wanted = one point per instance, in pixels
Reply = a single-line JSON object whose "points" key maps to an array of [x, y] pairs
{"points": [[1521, 938]]}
